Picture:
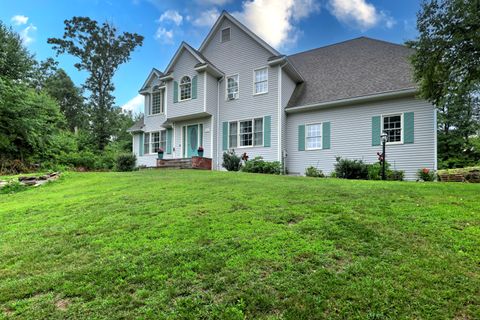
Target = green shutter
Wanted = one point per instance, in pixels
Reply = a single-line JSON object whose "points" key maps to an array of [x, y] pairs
{"points": [[184, 141], [169, 140], [175, 91], [140, 147], [301, 138], [408, 124], [267, 127], [194, 87], [200, 128], [376, 131], [326, 135], [225, 136]]}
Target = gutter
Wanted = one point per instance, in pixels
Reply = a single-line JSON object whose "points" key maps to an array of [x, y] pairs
{"points": [[361, 99]]}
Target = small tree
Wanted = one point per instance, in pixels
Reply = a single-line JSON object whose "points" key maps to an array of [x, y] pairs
{"points": [[231, 161]]}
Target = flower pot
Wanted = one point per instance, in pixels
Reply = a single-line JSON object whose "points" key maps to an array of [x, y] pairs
{"points": [[200, 153], [160, 155]]}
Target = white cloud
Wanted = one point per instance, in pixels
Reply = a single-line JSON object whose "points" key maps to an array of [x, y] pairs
{"points": [[135, 104], [164, 35], [274, 20], [26, 34], [19, 20], [359, 13], [171, 15], [207, 18]]}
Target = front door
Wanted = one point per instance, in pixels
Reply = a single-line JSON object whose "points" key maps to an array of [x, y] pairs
{"points": [[192, 140]]}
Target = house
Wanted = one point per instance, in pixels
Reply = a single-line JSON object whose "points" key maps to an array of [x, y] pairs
{"points": [[237, 92]]}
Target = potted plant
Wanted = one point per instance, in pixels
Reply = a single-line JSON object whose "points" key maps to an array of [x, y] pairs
{"points": [[160, 153], [200, 151]]}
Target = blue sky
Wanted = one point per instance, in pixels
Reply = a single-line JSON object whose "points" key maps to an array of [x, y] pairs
{"points": [[288, 25]]}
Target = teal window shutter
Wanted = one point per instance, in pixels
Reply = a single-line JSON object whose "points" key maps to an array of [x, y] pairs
{"points": [[194, 87], [175, 91], [376, 130], [169, 140], [200, 129], [326, 135], [408, 125], [267, 127], [301, 138], [225, 136], [140, 147]]}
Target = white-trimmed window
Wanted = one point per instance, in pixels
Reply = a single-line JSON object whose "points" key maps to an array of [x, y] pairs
{"points": [[313, 136], [392, 125], [226, 35], [185, 88], [157, 103], [246, 133], [232, 87], [260, 81], [153, 141]]}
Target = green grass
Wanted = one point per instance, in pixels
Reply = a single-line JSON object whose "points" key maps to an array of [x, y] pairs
{"points": [[205, 245]]}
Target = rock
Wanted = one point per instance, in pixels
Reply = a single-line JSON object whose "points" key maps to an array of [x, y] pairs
{"points": [[24, 178]]}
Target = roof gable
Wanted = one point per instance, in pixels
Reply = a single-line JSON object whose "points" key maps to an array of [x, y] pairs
{"points": [[184, 47], [229, 17], [154, 74]]}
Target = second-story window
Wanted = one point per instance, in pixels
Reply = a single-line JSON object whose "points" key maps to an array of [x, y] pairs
{"points": [[232, 87], [185, 88], [226, 35], [157, 103], [261, 81]]}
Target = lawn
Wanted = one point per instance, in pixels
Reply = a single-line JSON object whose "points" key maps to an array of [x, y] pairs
{"points": [[217, 245]]}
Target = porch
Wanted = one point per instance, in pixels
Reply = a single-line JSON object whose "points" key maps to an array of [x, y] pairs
{"points": [[194, 162]]}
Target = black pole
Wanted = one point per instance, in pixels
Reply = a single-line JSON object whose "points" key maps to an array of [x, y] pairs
{"points": [[383, 160]]}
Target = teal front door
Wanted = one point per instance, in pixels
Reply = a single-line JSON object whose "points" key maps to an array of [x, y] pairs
{"points": [[192, 140]]}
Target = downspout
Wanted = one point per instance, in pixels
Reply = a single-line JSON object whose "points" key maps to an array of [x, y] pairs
{"points": [[281, 157], [217, 122]]}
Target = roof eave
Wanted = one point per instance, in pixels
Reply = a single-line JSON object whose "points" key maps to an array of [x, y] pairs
{"points": [[210, 69], [356, 100]]}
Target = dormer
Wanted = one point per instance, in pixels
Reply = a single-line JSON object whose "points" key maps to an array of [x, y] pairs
{"points": [[155, 95]]}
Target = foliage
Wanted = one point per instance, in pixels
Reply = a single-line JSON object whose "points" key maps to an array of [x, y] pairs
{"points": [[69, 97], [101, 51], [314, 172], [186, 244], [231, 161], [351, 169], [126, 162], [447, 66], [258, 165], [395, 175], [15, 61], [28, 120], [426, 175]]}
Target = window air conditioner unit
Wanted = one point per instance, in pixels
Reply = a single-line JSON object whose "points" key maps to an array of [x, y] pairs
{"points": [[231, 96]]}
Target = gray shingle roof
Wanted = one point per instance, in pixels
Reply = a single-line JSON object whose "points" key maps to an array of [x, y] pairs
{"points": [[137, 126], [350, 69]]}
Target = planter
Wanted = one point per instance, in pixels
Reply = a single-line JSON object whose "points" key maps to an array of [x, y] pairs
{"points": [[160, 155], [200, 153]]}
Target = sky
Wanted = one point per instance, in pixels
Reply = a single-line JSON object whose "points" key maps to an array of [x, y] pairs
{"points": [[290, 26]]}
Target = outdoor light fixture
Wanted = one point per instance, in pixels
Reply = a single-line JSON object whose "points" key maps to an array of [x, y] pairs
{"points": [[384, 138]]}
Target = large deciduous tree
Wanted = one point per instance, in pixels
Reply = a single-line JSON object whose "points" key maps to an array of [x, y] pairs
{"points": [[101, 50], [15, 61], [447, 68]]}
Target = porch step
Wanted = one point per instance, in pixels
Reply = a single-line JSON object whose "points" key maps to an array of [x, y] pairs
{"points": [[185, 163]]}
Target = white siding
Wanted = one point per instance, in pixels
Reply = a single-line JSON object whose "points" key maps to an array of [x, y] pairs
{"points": [[351, 137], [241, 55], [184, 66], [288, 86]]}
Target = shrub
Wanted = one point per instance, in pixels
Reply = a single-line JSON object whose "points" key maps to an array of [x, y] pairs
{"points": [[231, 161], [351, 169], [82, 159], [106, 161], [314, 172], [426, 175], [258, 165], [126, 162], [395, 175]]}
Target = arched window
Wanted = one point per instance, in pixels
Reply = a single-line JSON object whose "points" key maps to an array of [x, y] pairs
{"points": [[185, 88]]}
